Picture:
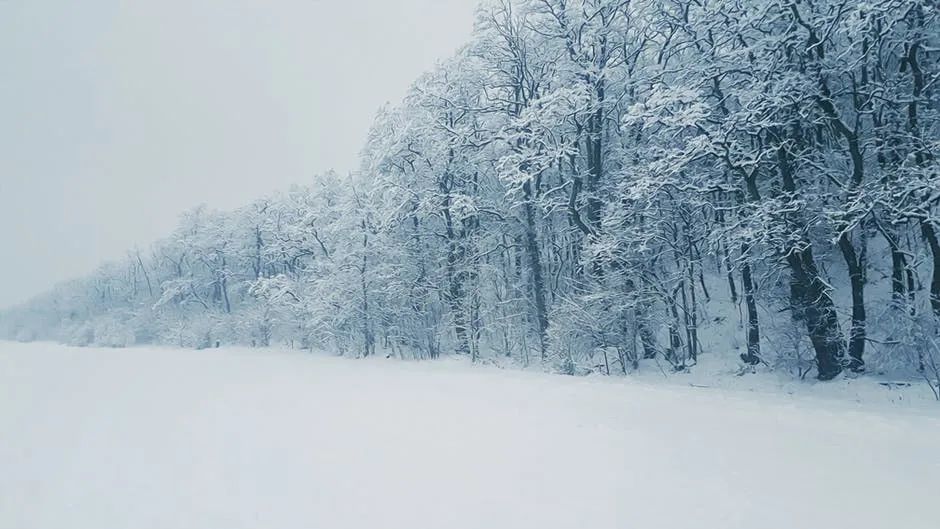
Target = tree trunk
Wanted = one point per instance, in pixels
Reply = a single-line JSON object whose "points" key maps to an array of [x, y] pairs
{"points": [[647, 337], [930, 235], [855, 265], [454, 293], [675, 341], [810, 299], [535, 264], [898, 266], [752, 356], [368, 340], [921, 155]]}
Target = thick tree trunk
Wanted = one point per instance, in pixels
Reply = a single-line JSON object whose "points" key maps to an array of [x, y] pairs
{"points": [[535, 265], [855, 265], [455, 292], [810, 298], [595, 159], [752, 356], [456, 298], [813, 304], [898, 266], [853, 261], [930, 235]]}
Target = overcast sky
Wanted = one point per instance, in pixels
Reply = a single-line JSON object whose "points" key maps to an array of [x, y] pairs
{"points": [[116, 116]]}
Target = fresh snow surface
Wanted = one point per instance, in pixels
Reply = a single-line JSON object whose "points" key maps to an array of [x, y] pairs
{"points": [[232, 438]]}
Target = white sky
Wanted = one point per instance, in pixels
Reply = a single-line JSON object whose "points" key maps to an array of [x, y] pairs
{"points": [[116, 116]]}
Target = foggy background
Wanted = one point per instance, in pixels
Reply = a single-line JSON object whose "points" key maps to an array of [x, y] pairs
{"points": [[117, 116]]}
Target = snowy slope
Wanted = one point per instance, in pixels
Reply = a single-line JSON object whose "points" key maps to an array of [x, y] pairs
{"points": [[161, 438]]}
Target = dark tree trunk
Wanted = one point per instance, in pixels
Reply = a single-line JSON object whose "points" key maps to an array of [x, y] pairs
{"points": [[810, 300], [675, 341], [898, 266], [691, 308], [930, 235], [535, 264], [853, 261], [689, 316], [752, 356], [855, 265], [456, 276], [595, 159], [813, 304]]}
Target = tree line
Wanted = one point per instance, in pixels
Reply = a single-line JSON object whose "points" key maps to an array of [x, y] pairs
{"points": [[591, 184]]}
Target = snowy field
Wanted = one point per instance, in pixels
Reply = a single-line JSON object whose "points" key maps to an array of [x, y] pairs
{"points": [[226, 439]]}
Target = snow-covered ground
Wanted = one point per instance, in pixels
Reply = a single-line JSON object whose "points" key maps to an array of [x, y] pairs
{"points": [[232, 438]]}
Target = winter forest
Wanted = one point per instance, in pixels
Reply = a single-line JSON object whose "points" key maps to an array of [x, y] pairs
{"points": [[591, 186]]}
